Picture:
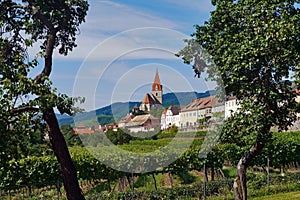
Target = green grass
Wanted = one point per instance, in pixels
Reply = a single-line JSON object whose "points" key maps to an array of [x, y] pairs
{"points": [[144, 146], [146, 182], [229, 172], [282, 196]]}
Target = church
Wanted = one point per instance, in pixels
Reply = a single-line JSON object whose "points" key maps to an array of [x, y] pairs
{"points": [[140, 120], [153, 100]]}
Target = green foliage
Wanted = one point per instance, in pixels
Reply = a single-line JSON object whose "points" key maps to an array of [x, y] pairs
{"points": [[186, 177], [31, 170], [250, 48], [28, 103], [156, 112], [71, 138], [254, 46], [23, 99], [187, 192], [172, 130], [284, 149], [165, 134], [118, 137], [45, 169]]}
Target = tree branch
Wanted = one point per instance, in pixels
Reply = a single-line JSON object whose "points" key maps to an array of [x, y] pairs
{"points": [[50, 44], [24, 109], [48, 58], [42, 18]]}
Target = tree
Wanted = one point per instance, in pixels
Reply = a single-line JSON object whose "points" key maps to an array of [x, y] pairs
{"points": [[27, 102], [254, 46], [71, 138], [118, 137]]}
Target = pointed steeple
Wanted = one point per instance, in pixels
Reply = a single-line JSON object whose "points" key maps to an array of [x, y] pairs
{"points": [[156, 85], [157, 88], [156, 79]]}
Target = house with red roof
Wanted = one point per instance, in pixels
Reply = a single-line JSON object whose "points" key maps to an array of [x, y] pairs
{"points": [[143, 123], [201, 108], [82, 129]]}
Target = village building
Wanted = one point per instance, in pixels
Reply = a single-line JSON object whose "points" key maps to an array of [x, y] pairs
{"points": [[218, 112], [143, 123], [199, 110], [231, 106], [170, 117], [139, 120], [82, 129], [298, 101], [153, 100], [125, 120]]}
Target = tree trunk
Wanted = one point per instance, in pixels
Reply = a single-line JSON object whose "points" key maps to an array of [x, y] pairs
{"points": [[171, 179], [240, 183], [212, 173], [59, 146], [155, 185], [205, 175]]}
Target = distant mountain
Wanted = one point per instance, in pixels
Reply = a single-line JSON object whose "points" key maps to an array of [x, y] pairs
{"points": [[104, 115], [184, 98], [116, 111]]}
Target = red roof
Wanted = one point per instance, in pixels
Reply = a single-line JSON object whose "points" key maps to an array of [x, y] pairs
{"points": [[165, 111], [148, 99], [201, 103]]}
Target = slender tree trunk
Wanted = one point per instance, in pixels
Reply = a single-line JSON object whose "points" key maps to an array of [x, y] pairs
{"points": [[212, 173], [205, 175], [171, 179], [240, 182], [61, 151], [155, 185]]}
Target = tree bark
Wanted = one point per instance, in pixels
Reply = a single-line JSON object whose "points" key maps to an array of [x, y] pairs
{"points": [[205, 175], [155, 185], [171, 179], [59, 146], [240, 183], [212, 173]]}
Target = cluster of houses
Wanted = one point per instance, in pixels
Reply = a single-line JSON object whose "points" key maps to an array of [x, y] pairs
{"points": [[201, 111]]}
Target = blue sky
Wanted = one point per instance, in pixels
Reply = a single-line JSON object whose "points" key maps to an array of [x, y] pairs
{"points": [[121, 45]]}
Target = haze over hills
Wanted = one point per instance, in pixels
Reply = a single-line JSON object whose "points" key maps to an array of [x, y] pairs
{"points": [[116, 111]]}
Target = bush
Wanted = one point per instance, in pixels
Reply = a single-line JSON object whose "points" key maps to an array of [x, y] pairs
{"points": [[213, 188]]}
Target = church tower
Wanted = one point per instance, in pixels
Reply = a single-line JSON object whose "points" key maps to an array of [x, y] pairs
{"points": [[157, 88]]}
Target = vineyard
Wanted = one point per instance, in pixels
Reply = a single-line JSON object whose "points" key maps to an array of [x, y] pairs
{"points": [[183, 177]]}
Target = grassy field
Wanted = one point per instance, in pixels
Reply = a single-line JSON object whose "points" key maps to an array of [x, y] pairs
{"points": [[282, 196]]}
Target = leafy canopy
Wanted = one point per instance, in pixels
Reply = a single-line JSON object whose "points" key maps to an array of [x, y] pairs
{"points": [[255, 47], [23, 98]]}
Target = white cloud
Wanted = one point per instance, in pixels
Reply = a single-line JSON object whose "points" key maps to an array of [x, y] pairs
{"points": [[107, 19], [114, 33], [108, 16], [140, 43]]}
